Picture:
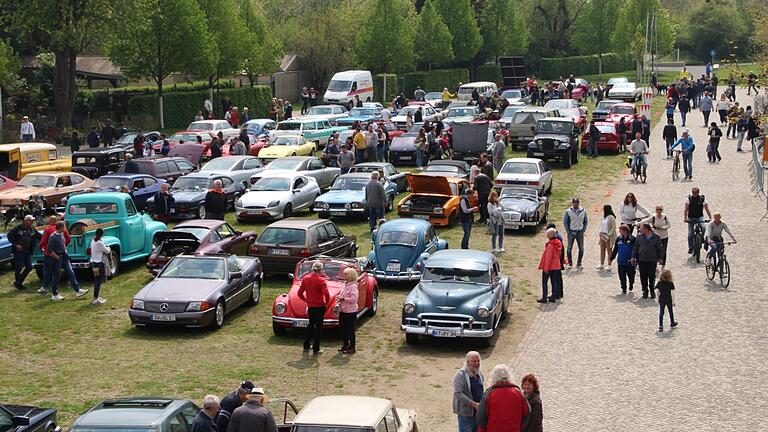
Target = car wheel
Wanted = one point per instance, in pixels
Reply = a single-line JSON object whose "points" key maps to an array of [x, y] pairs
{"points": [[201, 213], [287, 211], [352, 253], [576, 157], [567, 160], [374, 303], [218, 317], [113, 265], [549, 189], [234, 200], [411, 339], [278, 330], [293, 154], [255, 293]]}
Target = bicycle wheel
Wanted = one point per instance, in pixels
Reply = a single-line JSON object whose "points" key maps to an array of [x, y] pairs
{"points": [[643, 175], [725, 273], [710, 266], [697, 247], [676, 170]]}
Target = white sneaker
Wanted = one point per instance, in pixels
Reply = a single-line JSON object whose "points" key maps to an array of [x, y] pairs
{"points": [[502, 250], [81, 293], [581, 267], [57, 297], [599, 266], [42, 291], [98, 301]]}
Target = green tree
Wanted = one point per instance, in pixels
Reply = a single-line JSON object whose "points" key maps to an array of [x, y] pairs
{"points": [[502, 36], [459, 16], [385, 41], [436, 49], [9, 64], [592, 33], [161, 38], [629, 34], [718, 26], [264, 49], [553, 21]]}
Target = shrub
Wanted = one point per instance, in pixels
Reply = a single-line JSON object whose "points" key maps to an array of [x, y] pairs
{"points": [[552, 68], [378, 87], [489, 72], [434, 80]]}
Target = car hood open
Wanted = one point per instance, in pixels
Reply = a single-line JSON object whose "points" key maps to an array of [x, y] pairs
{"points": [[192, 152], [425, 184]]}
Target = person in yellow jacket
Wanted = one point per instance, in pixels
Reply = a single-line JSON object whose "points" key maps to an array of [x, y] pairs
{"points": [[447, 97], [360, 142]]}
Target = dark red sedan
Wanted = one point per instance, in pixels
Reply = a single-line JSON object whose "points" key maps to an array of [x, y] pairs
{"points": [[579, 118], [609, 137]]}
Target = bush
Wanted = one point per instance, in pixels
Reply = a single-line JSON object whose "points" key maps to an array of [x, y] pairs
{"points": [[378, 87], [179, 108], [552, 68], [434, 80], [489, 72]]}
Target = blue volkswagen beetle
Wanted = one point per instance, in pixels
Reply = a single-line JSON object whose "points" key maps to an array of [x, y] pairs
{"points": [[347, 196], [462, 293], [400, 247]]}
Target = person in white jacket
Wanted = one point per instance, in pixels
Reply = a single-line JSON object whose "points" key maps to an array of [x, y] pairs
{"points": [[628, 211], [100, 253]]}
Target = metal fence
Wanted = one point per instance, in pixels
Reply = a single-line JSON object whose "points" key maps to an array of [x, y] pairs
{"points": [[757, 172]]}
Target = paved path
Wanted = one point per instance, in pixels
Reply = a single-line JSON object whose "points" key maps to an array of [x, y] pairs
{"points": [[602, 365]]}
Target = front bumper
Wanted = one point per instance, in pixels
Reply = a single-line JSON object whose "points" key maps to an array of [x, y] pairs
{"points": [[549, 154], [340, 212], [406, 276], [186, 319], [397, 158], [267, 212], [302, 322], [188, 211], [446, 325], [434, 219]]}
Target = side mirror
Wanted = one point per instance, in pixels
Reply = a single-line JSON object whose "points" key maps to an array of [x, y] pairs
{"points": [[21, 421], [296, 190], [290, 276], [235, 275]]}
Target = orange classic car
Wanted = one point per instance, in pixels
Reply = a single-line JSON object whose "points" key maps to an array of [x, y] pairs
{"points": [[52, 186], [434, 199]]}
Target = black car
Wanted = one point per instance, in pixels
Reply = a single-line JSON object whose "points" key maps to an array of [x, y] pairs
{"points": [[22, 418], [556, 138], [166, 168], [97, 162], [126, 141], [189, 194]]}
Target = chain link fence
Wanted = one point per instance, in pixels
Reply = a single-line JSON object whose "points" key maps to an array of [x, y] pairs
{"points": [[757, 171]]}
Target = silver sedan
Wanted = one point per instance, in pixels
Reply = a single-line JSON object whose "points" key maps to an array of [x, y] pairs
{"points": [[277, 195]]}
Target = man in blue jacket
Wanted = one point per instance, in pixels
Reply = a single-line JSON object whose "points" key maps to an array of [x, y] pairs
{"points": [[686, 144], [622, 250]]}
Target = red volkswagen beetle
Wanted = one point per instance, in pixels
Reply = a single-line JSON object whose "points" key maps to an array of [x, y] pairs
{"points": [[289, 311], [609, 137]]}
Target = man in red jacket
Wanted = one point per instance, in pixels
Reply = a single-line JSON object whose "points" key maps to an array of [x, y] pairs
{"points": [[503, 407], [314, 291], [50, 229]]}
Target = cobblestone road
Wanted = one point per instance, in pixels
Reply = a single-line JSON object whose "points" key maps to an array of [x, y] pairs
{"points": [[600, 361]]}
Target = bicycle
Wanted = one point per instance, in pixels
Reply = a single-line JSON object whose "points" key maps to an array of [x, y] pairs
{"points": [[638, 170], [698, 240], [676, 166], [718, 263]]}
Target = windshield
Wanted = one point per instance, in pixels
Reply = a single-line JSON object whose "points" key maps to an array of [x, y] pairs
{"points": [[362, 112], [555, 127], [329, 429], [458, 274], [512, 94], [282, 141], [622, 109], [110, 182], [194, 268], [272, 184], [398, 238], [517, 192], [33, 180], [198, 232], [320, 111], [185, 137], [623, 86], [443, 168], [350, 183], [527, 118], [461, 112], [570, 112], [519, 168], [283, 236], [414, 130], [559, 103], [339, 86], [286, 164], [510, 111], [617, 80], [220, 164], [92, 208], [603, 105], [126, 139], [409, 109], [331, 270], [191, 183], [200, 126], [433, 95], [289, 126], [465, 90]]}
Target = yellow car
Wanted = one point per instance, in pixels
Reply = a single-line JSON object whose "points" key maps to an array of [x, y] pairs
{"points": [[18, 160], [287, 145]]}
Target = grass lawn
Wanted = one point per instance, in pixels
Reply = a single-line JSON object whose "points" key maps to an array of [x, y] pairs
{"points": [[70, 355]]}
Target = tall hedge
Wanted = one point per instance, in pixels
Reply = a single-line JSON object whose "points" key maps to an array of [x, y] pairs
{"points": [[378, 87], [434, 80], [489, 72], [180, 108], [553, 68]]}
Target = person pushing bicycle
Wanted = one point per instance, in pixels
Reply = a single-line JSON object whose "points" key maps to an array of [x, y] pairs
{"points": [[693, 214], [638, 149], [714, 235]]}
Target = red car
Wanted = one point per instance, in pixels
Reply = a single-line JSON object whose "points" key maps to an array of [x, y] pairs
{"points": [[289, 311], [581, 89], [257, 144], [609, 137], [6, 183], [575, 114], [626, 110], [393, 131]]}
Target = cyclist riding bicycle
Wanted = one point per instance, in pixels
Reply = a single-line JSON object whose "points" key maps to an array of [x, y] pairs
{"points": [[638, 149], [714, 235], [693, 213]]}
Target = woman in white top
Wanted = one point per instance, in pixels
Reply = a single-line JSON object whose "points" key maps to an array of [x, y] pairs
{"points": [[607, 236], [408, 121], [660, 224], [99, 255], [628, 211], [495, 222]]}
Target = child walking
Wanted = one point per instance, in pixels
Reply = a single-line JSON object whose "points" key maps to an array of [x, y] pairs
{"points": [[665, 286]]}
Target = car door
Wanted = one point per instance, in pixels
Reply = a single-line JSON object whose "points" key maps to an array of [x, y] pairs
{"points": [[232, 242], [396, 177], [189, 413], [184, 166], [150, 187], [236, 293], [134, 224], [178, 423], [315, 169], [338, 247], [546, 175], [430, 241], [230, 188], [163, 171], [303, 197], [325, 243]]}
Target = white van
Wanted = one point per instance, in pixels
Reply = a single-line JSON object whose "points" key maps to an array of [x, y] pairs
{"points": [[465, 91], [344, 86]]}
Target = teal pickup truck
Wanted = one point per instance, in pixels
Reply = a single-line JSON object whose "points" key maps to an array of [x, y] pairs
{"points": [[127, 232]]}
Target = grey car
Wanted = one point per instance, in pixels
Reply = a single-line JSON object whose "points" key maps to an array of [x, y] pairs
{"points": [[309, 166], [238, 168], [462, 293], [138, 414], [389, 170]]}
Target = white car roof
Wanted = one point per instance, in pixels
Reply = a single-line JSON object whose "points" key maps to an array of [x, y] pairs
{"points": [[523, 160], [348, 74], [479, 84], [360, 411]]}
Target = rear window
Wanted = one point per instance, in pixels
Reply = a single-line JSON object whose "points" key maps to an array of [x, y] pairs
{"points": [[284, 236], [92, 208], [398, 238], [519, 168], [527, 118]]}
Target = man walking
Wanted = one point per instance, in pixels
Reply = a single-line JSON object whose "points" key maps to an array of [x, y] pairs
{"points": [[483, 186], [594, 137], [253, 416], [575, 222], [216, 202], [468, 388], [622, 253], [706, 108], [207, 114], [693, 213], [314, 292], [376, 199], [466, 216], [670, 136], [56, 254], [27, 130], [230, 403], [22, 238], [684, 105], [163, 203], [497, 153], [646, 254], [686, 145], [108, 133], [205, 420]]}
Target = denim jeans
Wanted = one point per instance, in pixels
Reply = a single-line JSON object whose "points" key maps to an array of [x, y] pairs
{"points": [[359, 155], [374, 214], [687, 163], [26, 138], [640, 158], [578, 237], [22, 264], [741, 140], [467, 227], [467, 424], [56, 266], [667, 305], [380, 153], [419, 158], [683, 115], [692, 223], [706, 117], [498, 231], [98, 280], [554, 277]]}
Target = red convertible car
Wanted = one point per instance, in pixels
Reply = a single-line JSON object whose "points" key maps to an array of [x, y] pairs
{"points": [[609, 138], [185, 137], [289, 311], [578, 117], [626, 110]]}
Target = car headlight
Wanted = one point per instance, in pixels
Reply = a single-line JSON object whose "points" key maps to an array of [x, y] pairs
{"points": [[137, 304], [195, 306], [239, 203], [280, 308], [437, 210], [357, 205], [482, 312], [540, 142], [405, 207], [347, 206], [323, 205], [530, 213], [274, 203], [409, 308], [335, 310]]}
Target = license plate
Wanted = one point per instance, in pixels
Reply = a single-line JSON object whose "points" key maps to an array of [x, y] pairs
{"points": [[406, 157], [253, 212], [538, 154], [443, 333], [300, 323], [279, 252], [173, 211], [163, 317], [393, 267], [423, 217], [338, 212]]}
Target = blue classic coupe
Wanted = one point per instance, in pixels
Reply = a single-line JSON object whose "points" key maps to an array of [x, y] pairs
{"points": [[462, 293], [347, 196], [400, 247]]}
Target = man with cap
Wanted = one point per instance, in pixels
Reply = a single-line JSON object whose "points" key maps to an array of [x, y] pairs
{"points": [[22, 238], [253, 416], [27, 130], [205, 420], [230, 403]]}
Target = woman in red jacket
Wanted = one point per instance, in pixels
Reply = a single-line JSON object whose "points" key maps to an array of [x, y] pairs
{"points": [[550, 267]]}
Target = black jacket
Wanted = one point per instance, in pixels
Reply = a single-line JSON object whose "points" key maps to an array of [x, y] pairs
{"points": [[537, 413], [647, 249], [24, 236], [131, 167], [670, 131], [483, 185], [594, 133], [204, 423], [228, 405], [216, 202], [684, 105], [216, 148], [163, 203]]}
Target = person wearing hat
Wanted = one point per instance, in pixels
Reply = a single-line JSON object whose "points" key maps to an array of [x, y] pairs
{"points": [[253, 416], [230, 403], [27, 130], [205, 420], [22, 238], [314, 291]]}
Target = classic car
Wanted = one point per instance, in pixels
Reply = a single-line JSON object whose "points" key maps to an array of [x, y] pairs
{"points": [[462, 293], [361, 115], [347, 196], [18, 160], [315, 131], [428, 112], [189, 194], [523, 208], [126, 140], [185, 137], [127, 232], [166, 168], [289, 311], [259, 127], [402, 149], [579, 118], [524, 172], [6, 183], [24, 418], [400, 247], [435, 99], [332, 113], [199, 236], [97, 162], [287, 145], [516, 95], [214, 126], [278, 194], [284, 243], [565, 103], [52, 186], [556, 138], [603, 108], [463, 114], [469, 140], [627, 91], [447, 168], [386, 169], [581, 89], [138, 414], [238, 168], [509, 112], [622, 110], [616, 80], [258, 144], [609, 137], [198, 290], [309, 166], [353, 413], [392, 130], [192, 152], [141, 187], [6, 250], [434, 199], [523, 125]]}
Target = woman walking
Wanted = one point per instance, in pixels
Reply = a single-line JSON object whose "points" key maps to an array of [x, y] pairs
{"points": [[607, 236], [495, 222], [660, 224], [722, 108], [713, 149], [347, 300], [551, 267], [665, 286], [99, 255], [628, 211], [531, 388]]}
